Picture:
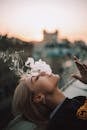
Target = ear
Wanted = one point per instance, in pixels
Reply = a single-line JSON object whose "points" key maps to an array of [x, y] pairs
{"points": [[39, 98]]}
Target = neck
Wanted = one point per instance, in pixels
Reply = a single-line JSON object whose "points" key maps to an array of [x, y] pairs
{"points": [[56, 98]]}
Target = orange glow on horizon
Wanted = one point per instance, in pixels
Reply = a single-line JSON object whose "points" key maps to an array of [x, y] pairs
{"points": [[27, 20], [38, 36]]}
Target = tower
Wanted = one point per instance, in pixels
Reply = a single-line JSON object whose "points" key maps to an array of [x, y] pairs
{"points": [[50, 37]]}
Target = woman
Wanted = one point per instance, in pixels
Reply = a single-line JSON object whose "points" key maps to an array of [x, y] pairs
{"points": [[39, 100]]}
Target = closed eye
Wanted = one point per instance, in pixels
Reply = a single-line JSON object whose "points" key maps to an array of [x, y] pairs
{"points": [[34, 78], [37, 77]]}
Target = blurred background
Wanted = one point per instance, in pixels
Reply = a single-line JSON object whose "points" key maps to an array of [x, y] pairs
{"points": [[53, 31]]}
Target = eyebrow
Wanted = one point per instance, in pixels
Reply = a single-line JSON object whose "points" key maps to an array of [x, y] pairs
{"points": [[31, 80], [35, 77]]}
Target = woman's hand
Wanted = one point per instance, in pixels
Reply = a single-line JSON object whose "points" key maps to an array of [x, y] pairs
{"points": [[82, 69]]}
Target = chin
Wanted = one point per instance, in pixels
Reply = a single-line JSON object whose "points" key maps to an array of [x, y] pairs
{"points": [[57, 77]]}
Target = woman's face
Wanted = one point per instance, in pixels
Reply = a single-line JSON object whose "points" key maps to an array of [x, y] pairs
{"points": [[44, 82]]}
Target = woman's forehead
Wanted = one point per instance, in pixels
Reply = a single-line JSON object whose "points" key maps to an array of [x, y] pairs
{"points": [[28, 77], [27, 80], [25, 77]]}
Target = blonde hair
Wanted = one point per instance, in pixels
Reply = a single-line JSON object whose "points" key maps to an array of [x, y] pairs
{"points": [[23, 104]]}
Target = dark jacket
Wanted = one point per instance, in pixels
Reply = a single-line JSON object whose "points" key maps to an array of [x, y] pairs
{"points": [[66, 118]]}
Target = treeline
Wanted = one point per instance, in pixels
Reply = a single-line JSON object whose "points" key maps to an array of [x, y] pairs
{"points": [[13, 43], [12, 51]]}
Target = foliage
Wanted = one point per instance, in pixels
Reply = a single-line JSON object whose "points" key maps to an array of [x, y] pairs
{"points": [[8, 79]]}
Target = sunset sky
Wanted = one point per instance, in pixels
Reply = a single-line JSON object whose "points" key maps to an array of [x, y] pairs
{"points": [[26, 19]]}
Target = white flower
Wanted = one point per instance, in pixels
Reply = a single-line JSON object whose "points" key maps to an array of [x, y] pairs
{"points": [[29, 62], [37, 67]]}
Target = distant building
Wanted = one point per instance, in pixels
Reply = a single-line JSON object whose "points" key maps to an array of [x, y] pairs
{"points": [[51, 47], [50, 37]]}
